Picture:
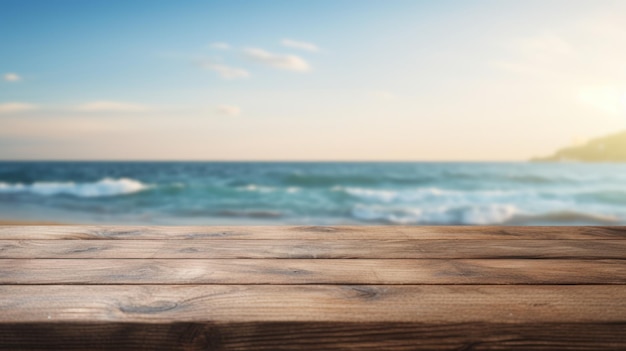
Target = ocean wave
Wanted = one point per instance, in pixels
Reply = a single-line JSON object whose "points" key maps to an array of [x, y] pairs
{"points": [[250, 213], [526, 178], [267, 189], [371, 194], [613, 196], [563, 217], [491, 214], [256, 188], [476, 215], [531, 178], [424, 194], [101, 188], [322, 180]]}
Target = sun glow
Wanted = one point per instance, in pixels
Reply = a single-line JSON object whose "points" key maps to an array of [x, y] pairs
{"points": [[609, 99]]}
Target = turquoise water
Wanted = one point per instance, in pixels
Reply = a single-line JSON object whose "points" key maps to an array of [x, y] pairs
{"points": [[166, 193]]}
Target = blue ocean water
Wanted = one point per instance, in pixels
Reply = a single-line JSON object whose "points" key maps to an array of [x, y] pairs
{"points": [[192, 193]]}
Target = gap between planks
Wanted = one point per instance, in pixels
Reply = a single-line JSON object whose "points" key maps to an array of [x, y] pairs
{"points": [[311, 232]]}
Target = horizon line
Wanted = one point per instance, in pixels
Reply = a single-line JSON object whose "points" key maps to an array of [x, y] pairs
{"points": [[264, 160]]}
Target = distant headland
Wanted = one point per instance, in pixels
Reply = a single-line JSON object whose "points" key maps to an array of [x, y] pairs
{"points": [[611, 148]]}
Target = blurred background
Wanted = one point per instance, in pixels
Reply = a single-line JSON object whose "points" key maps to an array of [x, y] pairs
{"points": [[313, 112]]}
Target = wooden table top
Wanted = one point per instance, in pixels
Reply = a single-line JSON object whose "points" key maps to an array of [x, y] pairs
{"points": [[312, 288]]}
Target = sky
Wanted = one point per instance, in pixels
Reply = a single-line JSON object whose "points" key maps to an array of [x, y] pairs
{"points": [[355, 80]]}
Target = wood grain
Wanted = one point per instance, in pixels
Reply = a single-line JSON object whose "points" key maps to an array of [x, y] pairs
{"points": [[314, 303], [310, 233], [314, 336], [312, 288], [313, 317], [311, 249], [305, 271]]}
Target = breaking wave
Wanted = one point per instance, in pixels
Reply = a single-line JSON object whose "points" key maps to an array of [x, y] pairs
{"points": [[481, 214], [315, 193], [101, 188], [421, 194], [491, 214]]}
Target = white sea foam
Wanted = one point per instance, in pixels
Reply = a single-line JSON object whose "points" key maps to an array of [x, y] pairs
{"points": [[257, 188], [419, 194], [268, 189], [488, 214], [372, 194], [293, 189], [477, 214], [103, 187]]}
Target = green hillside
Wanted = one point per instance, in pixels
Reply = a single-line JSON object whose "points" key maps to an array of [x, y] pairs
{"points": [[610, 148]]}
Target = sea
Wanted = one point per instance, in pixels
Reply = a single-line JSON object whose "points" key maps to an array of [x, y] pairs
{"points": [[314, 193]]}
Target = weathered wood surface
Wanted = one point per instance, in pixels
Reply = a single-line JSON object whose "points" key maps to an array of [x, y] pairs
{"points": [[306, 271], [323, 336], [311, 232], [303, 249], [312, 288], [318, 303], [314, 317]]}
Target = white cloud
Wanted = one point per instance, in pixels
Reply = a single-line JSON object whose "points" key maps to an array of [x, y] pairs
{"points": [[302, 45], [111, 106], [226, 72], [220, 46], [228, 110], [12, 77], [9, 107], [287, 62]]}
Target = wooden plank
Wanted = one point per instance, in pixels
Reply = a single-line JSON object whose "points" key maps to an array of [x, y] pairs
{"points": [[315, 271], [234, 296], [361, 249], [319, 303], [314, 336], [311, 233], [313, 317]]}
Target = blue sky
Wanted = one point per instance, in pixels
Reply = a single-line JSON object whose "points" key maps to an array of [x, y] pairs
{"points": [[350, 80]]}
